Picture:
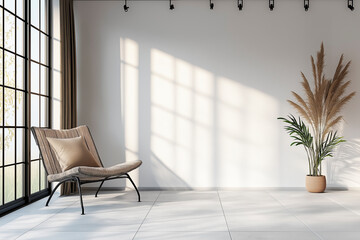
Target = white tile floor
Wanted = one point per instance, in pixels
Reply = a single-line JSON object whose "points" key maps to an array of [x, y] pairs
{"points": [[175, 215]]}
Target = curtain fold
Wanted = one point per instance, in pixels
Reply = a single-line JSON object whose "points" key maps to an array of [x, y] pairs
{"points": [[68, 75]]}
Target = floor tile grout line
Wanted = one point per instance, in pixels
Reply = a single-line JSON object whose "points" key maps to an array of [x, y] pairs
{"points": [[222, 208], [314, 232], [146, 216], [157, 195], [46, 219], [349, 209]]}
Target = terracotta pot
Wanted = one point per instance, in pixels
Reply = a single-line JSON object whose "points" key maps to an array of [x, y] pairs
{"points": [[315, 184]]}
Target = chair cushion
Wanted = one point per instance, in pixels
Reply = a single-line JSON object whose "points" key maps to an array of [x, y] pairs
{"points": [[95, 173], [72, 152]]}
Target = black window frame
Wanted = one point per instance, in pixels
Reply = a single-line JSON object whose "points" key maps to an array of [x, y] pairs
{"points": [[27, 197]]}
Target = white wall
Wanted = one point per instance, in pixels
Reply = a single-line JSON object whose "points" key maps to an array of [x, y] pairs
{"points": [[195, 93]]}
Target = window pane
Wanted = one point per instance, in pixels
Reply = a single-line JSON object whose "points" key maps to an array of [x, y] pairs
{"points": [[9, 184], [9, 145], [34, 149], [34, 176], [20, 145], [44, 80], [35, 108], [20, 8], [20, 77], [20, 180], [9, 31], [10, 5], [1, 147], [1, 185], [34, 6], [9, 69], [1, 107], [20, 43], [44, 49], [20, 109], [1, 27], [44, 112], [9, 107], [34, 44], [43, 181], [1, 66], [35, 88], [44, 15]]}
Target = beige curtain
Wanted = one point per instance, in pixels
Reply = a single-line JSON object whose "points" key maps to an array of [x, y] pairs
{"points": [[68, 74]]}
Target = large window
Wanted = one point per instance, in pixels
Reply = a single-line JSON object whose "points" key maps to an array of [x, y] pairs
{"points": [[24, 98]]}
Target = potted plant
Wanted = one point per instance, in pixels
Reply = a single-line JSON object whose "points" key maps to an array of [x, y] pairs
{"points": [[320, 108]]}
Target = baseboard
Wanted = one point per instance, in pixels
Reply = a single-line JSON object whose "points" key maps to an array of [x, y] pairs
{"points": [[217, 188]]}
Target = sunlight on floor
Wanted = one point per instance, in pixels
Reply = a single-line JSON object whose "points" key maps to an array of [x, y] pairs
{"points": [[194, 215]]}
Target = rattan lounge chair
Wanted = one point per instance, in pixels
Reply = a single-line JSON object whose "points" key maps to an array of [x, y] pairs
{"points": [[81, 174]]}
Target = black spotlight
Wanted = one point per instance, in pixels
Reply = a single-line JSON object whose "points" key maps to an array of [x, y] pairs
{"points": [[351, 5], [271, 4], [240, 4], [306, 4], [211, 5], [126, 7], [171, 6]]}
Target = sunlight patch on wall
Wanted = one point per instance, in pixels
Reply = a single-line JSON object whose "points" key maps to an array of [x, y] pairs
{"points": [[181, 118], [209, 130], [247, 139], [129, 55]]}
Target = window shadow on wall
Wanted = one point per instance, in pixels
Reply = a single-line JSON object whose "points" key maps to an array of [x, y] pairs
{"points": [[206, 130]]}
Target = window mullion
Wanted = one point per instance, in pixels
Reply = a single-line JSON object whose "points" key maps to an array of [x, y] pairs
{"points": [[3, 107], [15, 111], [27, 104]]}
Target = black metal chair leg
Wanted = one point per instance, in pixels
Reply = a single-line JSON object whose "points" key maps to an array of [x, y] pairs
{"points": [[53, 191], [137, 191], [100, 187], [80, 194]]}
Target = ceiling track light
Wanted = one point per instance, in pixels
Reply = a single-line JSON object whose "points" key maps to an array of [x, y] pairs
{"points": [[240, 4], [171, 6], [271, 4], [306, 4], [351, 5], [126, 7]]}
